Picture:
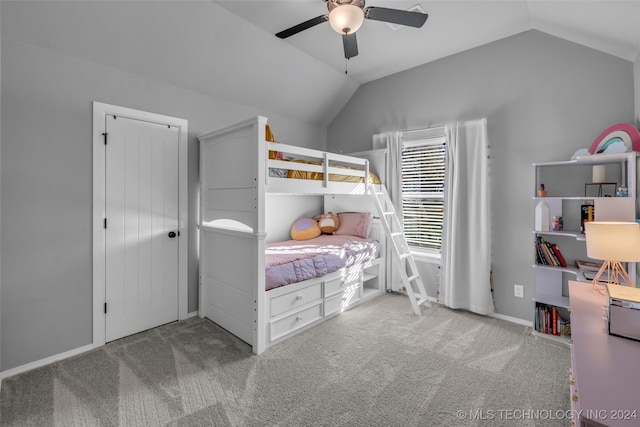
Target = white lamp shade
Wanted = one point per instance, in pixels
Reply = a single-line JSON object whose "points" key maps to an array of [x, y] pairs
{"points": [[613, 241], [346, 18]]}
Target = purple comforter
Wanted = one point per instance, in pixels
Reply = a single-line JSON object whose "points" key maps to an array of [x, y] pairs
{"points": [[293, 261]]}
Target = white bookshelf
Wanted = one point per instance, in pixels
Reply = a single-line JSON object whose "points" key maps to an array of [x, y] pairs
{"points": [[565, 184]]}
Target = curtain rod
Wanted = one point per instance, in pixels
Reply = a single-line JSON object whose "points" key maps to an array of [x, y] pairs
{"points": [[438, 126], [425, 129]]}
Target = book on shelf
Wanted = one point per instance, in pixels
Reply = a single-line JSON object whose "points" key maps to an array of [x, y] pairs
{"points": [[565, 328], [539, 255], [590, 275], [542, 255], [590, 269], [588, 265], [558, 254], [587, 213], [551, 320], [548, 253]]}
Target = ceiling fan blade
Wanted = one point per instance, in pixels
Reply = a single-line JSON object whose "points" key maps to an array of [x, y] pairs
{"points": [[303, 26], [350, 44], [395, 16]]}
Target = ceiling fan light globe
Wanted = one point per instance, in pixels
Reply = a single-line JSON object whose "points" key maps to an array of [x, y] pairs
{"points": [[346, 18]]}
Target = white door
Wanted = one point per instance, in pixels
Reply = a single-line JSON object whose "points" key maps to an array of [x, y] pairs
{"points": [[141, 235]]}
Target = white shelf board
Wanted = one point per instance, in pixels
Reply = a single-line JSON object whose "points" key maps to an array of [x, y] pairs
{"points": [[592, 160], [556, 300], [569, 233], [568, 269]]}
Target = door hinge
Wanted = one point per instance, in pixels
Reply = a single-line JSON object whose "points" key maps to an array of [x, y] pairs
{"points": [[105, 137], [105, 308], [105, 223]]}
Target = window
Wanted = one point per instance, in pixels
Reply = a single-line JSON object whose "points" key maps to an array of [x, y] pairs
{"points": [[423, 174]]}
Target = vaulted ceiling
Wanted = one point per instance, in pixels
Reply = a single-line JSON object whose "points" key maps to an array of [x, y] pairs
{"points": [[228, 49], [453, 26]]}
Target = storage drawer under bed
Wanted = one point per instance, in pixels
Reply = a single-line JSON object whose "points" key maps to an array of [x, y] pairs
{"points": [[292, 300], [295, 321]]}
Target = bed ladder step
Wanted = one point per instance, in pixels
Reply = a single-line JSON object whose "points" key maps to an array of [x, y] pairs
{"points": [[408, 270]]}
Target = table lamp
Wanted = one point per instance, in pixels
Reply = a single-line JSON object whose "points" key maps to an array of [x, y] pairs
{"points": [[614, 243]]}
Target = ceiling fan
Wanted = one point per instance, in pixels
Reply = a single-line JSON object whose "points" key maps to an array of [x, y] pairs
{"points": [[346, 17]]}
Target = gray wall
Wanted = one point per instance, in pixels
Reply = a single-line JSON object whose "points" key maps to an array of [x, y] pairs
{"points": [[46, 180], [0, 188], [636, 75], [543, 97]]}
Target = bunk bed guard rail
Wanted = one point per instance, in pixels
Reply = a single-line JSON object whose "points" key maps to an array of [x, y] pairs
{"points": [[319, 162]]}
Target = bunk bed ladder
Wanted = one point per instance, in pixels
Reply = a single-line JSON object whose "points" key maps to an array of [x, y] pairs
{"points": [[407, 267]]}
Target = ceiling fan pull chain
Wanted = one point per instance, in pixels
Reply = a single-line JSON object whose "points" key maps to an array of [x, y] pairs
{"points": [[346, 61]]}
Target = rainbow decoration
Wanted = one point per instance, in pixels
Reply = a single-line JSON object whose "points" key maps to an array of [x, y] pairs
{"points": [[622, 132]]}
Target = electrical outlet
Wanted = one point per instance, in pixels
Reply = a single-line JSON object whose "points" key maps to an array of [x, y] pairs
{"points": [[518, 291]]}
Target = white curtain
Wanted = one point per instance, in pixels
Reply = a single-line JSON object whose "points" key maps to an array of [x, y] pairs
{"points": [[392, 141], [466, 248], [394, 170]]}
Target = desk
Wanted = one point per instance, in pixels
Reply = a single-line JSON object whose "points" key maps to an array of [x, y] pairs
{"points": [[606, 369]]}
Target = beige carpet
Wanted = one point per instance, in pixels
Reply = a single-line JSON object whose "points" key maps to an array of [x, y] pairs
{"points": [[376, 365]]}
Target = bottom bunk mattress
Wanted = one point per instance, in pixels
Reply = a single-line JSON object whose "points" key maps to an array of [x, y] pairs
{"points": [[293, 261]]}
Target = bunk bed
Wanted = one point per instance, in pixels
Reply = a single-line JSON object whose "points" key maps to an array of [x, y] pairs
{"points": [[251, 192]]}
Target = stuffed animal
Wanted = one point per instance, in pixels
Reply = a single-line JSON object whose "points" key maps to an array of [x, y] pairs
{"points": [[305, 229], [329, 223]]}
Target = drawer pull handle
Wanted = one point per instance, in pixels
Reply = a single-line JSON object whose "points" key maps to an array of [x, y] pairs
{"points": [[299, 318], [298, 297]]}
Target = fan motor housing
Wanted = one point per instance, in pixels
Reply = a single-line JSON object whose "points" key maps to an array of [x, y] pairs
{"points": [[332, 4]]}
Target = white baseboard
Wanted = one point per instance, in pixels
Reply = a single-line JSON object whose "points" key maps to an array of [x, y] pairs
{"points": [[512, 319], [56, 358], [46, 361]]}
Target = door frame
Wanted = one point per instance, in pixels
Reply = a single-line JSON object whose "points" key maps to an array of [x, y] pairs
{"points": [[100, 110]]}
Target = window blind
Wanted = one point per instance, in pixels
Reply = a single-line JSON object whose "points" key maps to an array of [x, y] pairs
{"points": [[423, 175]]}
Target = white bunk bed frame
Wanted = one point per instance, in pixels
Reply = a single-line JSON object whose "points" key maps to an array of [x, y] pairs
{"points": [[235, 187]]}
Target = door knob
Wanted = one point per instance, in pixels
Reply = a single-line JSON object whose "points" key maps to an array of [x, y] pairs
{"points": [[172, 234]]}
